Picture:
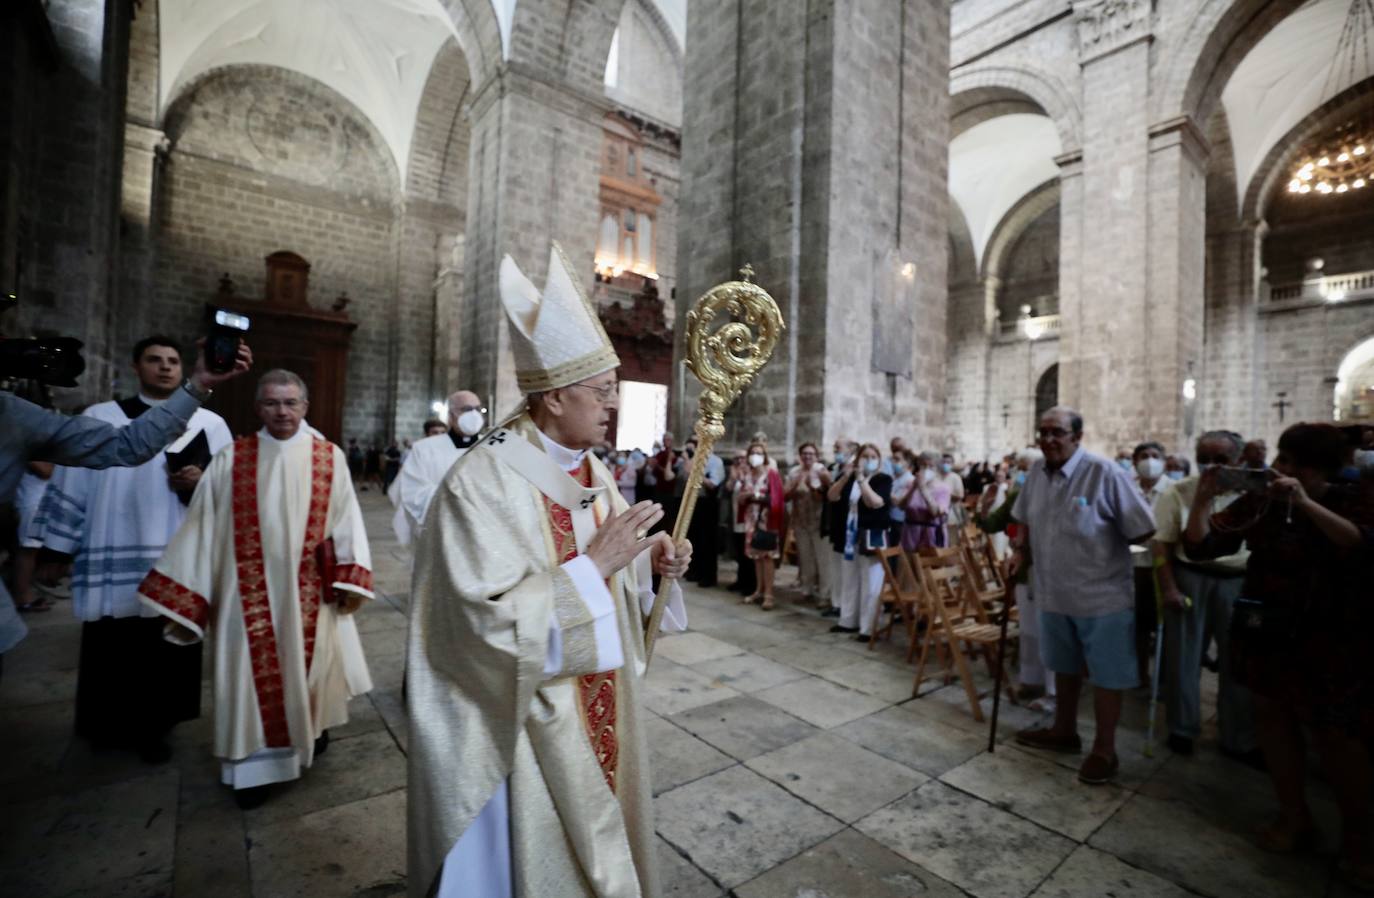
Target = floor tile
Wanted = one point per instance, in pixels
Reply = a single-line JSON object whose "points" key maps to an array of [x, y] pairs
{"points": [[847, 865], [351, 769], [1170, 840], [1089, 873], [836, 775], [743, 727], [671, 688], [735, 824], [821, 702], [1039, 790], [679, 878], [809, 656], [887, 682], [979, 848], [748, 672], [341, 852], [678, 757], [908, 738], [692, 648]]}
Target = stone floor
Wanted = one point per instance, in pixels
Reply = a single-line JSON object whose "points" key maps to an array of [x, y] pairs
{"points": [[787, 762]]}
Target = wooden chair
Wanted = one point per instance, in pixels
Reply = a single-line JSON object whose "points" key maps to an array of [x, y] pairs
{"points": [[985, 574], [901, 595], [956, 623]]}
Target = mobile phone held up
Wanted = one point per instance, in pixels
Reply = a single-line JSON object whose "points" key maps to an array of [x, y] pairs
{"points": [[1244, 480], [222, 343]]}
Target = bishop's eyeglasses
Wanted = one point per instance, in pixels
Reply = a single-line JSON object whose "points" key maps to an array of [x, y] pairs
{"points": [[605, 395]]}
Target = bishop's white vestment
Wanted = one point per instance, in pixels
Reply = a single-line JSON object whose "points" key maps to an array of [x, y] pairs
{"points": [[252, 564], [528, 765]]}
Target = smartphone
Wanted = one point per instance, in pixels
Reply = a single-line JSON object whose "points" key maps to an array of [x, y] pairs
{"points": [[1244, 480], [222, 343]]}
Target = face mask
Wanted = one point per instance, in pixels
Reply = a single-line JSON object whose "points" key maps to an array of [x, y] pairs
{"points": [[839, 458], [1175, 475], [1364, 459], [756, 460], [1125, 463], [946, 467], [870, 466], [899, 467], [470, 422], [1150, 468], [620, 459], [637, 456], [927, 475], [1020, 478]]}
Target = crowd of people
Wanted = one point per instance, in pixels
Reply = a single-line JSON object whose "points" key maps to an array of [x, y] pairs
{"points": [[1215, 557]]}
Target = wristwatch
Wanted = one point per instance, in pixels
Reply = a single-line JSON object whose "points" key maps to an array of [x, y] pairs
{"points": [[197, 393]]}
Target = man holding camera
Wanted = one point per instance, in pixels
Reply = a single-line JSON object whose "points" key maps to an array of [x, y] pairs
{"points": [[114, 524], [1198, 597]]}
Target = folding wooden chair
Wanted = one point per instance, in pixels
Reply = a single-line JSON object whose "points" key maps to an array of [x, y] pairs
{"points": [[958, 626], [901, 595]]}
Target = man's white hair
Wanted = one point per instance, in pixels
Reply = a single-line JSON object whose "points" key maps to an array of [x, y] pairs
{"points": [[280, 376]]}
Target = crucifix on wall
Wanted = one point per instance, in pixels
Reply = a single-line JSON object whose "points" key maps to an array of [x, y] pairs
{"points": [[1006, 414], [1282, 404]]}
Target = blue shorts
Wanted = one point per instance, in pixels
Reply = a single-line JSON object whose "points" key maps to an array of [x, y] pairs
{"points": [[1106, 645]]}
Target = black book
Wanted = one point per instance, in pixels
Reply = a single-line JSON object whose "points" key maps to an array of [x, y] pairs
{"points": [[196, 453]]}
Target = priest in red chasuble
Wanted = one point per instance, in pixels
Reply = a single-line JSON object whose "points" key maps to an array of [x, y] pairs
{"points": [[528, 767], [272, 560]]}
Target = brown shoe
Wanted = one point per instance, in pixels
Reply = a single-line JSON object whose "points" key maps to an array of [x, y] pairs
{"points": [[1048, 739], [1097, 770]]}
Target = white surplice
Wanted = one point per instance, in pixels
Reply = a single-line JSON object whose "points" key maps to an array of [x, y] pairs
{"points": [[116, 521], [254, 578], [421, 473]]}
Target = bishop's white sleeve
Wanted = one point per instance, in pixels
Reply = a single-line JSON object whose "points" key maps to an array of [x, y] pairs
{"points": [[598, 605]]}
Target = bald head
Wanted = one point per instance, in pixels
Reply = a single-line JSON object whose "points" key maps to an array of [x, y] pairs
{"points": [[459, 402]]}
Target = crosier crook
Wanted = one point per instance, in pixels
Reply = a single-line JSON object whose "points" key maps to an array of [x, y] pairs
{"points": [[725, 361]]}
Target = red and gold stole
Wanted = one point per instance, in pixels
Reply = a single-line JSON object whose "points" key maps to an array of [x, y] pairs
{"points": [[257, 606], [595, 692]]}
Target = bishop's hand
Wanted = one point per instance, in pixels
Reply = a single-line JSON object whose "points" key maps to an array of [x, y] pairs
{"points": [[669, 560], [617, 543]]}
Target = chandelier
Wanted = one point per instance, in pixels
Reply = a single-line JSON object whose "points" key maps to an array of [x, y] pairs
{"points": [[1343, 161]]}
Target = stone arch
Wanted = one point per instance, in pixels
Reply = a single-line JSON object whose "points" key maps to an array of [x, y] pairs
{"points": [[1027, 209], [568, 39], [1213, 42], [1047, 390], [175, 121], [479, 36], [438, 167], [1043, 89], [1360, 357], [963, 269], [1280, 158]]}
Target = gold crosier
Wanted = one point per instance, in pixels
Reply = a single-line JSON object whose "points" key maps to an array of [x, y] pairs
{"points": [[725, 361]]}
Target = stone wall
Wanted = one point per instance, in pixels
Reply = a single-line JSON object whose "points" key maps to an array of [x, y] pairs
{"points": [[263, 160], [1031, 276], [648, 76]]}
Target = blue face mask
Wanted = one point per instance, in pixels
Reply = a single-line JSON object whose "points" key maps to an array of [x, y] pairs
{"points": [[870, 466], [1125, 463], [1175, 475], [839, 458], [1020, 478], [899, 467], [946, 467]]}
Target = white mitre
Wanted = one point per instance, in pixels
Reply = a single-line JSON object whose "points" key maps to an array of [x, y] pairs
{"points": [[557, 338]]}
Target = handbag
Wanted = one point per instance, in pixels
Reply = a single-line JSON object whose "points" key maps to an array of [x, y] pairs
{"points": [[764, 541]]}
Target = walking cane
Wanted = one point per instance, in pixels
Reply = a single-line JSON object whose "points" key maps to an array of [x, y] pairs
{"points": [[1159, 654], [1007, 602]]}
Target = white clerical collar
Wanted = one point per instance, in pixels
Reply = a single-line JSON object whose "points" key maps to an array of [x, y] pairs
{"points": [[567, 459], [302, 431], [149, 401]]}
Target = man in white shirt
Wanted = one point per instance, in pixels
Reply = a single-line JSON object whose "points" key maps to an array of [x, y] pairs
{"points": [[132, 687], [429, 460]]}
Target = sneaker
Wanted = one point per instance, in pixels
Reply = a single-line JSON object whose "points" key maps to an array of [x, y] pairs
{"points": [[1097, 770], [863, 637], [1048, 739]]}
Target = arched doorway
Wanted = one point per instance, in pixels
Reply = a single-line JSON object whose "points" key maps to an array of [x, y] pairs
{"points": [[1354, 395], [1047, 391]]}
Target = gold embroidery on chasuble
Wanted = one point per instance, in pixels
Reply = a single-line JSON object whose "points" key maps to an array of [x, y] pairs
{"points": [[596, 693]]}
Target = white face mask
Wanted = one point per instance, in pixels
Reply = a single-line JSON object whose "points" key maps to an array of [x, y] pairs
{"points": [[927, 475], [756, 460], [1150, 468], [470, 422], [870, 465]]}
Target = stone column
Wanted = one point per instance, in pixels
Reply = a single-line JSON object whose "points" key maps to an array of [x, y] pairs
{"points": [[1228, 384], [815, 143], [534, 177]]}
